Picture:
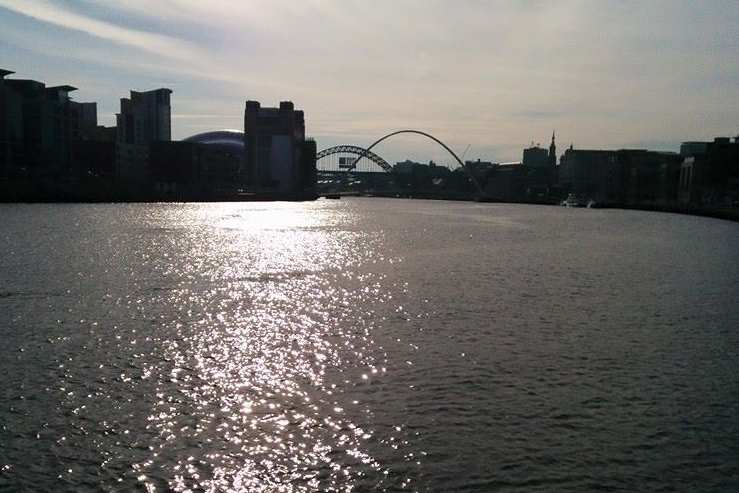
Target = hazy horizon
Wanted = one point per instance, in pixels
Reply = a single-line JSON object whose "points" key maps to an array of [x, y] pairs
{"points": [[494, 75]]}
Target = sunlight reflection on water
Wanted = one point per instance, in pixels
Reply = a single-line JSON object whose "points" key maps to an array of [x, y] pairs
{"points": [[244, 370], [366, 344]]}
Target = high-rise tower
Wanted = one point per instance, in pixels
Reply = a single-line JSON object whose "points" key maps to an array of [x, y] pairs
{"points": [[279, 159], [145, 118]]}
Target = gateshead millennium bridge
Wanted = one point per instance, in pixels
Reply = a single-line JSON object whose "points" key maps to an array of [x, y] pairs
{"points": [[327, 164]]}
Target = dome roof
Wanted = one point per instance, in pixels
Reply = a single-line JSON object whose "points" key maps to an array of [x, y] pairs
{"points": [[232, 140]]}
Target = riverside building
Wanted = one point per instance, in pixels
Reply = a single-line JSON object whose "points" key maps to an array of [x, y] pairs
{"points": [[38, 127], [279, 160], [145, 117]]}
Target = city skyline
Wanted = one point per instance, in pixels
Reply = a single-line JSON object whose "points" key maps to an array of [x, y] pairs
{"points": [[492, 75]]}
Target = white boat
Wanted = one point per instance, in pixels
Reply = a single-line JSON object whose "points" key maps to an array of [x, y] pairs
{"points": [[572, 201]]}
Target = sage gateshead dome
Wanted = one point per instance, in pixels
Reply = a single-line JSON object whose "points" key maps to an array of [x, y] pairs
{"points": [[220, 158], [228, 140]]}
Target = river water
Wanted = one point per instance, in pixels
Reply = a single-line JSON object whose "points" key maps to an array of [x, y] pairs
{"points": [[367, 344]]}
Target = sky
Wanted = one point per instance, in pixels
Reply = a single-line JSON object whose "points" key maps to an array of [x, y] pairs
{"points": [[492, 75]]}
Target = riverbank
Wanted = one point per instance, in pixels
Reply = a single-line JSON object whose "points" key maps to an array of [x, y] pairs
{"points": [[99, 191], [728, 213], [20, 192]]}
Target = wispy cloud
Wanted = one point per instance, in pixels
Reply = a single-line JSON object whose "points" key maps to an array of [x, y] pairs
{"points": [[486, 73], [60, 16]]}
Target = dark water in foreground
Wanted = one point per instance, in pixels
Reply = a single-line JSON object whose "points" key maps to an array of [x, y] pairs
{"points": [[367, 344]]}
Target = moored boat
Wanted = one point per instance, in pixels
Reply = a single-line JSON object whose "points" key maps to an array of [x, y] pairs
{"points": [[572, 201]]}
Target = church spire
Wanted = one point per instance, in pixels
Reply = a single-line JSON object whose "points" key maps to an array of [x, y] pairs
{"points": [[553, 152]]}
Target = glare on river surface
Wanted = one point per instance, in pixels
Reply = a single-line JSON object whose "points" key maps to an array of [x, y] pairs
{"points": [[366, 344], [248, 356]]}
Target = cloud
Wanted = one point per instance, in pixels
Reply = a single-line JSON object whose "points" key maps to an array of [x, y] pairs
{"points": [[487, 73], [57, 15], [137, 50]]}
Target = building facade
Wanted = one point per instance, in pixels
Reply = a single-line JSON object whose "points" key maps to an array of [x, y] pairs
{"points": [[144, 118], [649, 177], [507, 182], [11, 127], [40, 125], [709, 173], [591, 175], [539, 171], [629, 177], [535, 157], [194, 170], [278, 158]]}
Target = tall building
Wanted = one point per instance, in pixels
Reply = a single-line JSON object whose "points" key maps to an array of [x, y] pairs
{"points": [[620, 177], [535, 157], [145, 117], [48, 123], [88, 119], [31, 96], [11, 126], [63, 115], [649, 177], [204, 166], [591, 174], [540, 168], [39, 127], [538, 157], [709, 173], [278, 158]]}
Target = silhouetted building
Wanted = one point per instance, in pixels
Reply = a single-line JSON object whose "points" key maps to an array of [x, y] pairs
{"points": [[43, 135], [536, 157], [88, 120], [223, 158], [11, 127], [35, 134], [688, 149], [649, 177], [591, 174], [507, 182], [229, 140], [175, 167], [307, 171], [44, 122], [102, 133], [94, 153], [278, 158], [709, 173], [621, 177], [531, 180], [421, 177], [406, 167], [479, 168], [540, 171], [95, 158], [145, 117], [206, 165]]}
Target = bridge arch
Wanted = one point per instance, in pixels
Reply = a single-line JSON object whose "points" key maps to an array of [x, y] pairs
{"points": [[429, 136], [358, 151]]}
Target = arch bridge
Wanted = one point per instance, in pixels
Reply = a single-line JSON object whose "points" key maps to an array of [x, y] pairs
{"points": [[356, 151], [367, 153]]}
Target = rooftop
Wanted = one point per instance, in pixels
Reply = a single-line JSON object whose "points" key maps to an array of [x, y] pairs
{"points": [[65, 88]]}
